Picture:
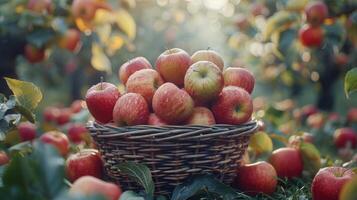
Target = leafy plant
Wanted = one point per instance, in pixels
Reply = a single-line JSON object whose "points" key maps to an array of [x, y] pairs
{"points": [[351, 81]]}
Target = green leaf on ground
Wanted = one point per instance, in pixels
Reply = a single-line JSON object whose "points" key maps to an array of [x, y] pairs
{"points": [[139, 173], [351, 81]]}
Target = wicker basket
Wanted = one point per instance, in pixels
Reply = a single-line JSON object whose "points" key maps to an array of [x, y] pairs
{"points": [[173, 153]]}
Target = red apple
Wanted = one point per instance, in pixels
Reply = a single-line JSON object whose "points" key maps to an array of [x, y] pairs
{"points": [[133, 65], [287, 162], [88, 185], [203, 81], [352, 115], [201, 116], [77, 132], [316, 12], [311, 36], [71, 40], [333, 117], [259, 177], [316, 120], [173, 64], [87, 162], [58, 140], [131, 109], [239, 77], [155, 120], [172, 104], [233, 106], [208, 55], [40, 6], [309, 110], [33, 54], [101, 99], [50, 114], [344, 137], [4, 159], [27, 131], [144, 82], [329, 181], [77, 106], [86, 9], [64, 116]]}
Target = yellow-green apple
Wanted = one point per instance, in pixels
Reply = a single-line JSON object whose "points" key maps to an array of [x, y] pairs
{"points": [[86, 162], [316, 12], [64, 116], [203, 81], [33, 54], [348, 191], [352, 115], [71, 40], [77, 132], [261, 143], [310, 156], [208, 55], [311, 36], [344, 137], [239, 77], [88, 185], [155, 120], [255, 178], [201, 116], [27, 131], [144, 82], [316, 120], [172, 65], [77, 106], [133, 65], [101, 99], [287, 162], [86, 9], [40, 6], [4, 159], [58, 139], [329, 181], [131, 109], [172, 104], [233, 106]]}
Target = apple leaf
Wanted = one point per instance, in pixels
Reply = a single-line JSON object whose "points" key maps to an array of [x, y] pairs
{"points": [[351, 81], [126, 23], [130, 195], [27, 94], [139, 173], [206, 183], [99, 60]]}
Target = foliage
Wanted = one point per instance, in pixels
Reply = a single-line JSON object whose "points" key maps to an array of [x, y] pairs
{"points": [[351, 81]]}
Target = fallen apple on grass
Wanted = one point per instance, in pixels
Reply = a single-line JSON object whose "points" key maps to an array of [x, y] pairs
{"points": [[27, 131], [77, 132], [287, 162], [88, 185], [86, 162], [255, 178], [344, 137], [329, 181], [4, 159], [58, 139]]}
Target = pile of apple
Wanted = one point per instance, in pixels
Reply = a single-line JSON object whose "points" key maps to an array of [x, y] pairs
{"points": [[183, 89]]}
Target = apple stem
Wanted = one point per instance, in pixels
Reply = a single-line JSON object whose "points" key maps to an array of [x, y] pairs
{"points": [[101, 82]]}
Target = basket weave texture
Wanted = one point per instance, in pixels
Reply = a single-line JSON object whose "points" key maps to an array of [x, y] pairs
{"points": [[173, 153]]}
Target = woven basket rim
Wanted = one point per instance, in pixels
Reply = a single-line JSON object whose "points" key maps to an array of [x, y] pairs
{"points": [[171, 132]]}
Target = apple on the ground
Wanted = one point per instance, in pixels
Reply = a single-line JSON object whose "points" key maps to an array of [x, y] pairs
{"points": [[88, 185], [86, 162], [101, 99], [344, 137], [77, 132], [27, 131], [58, 139], [172, 65], [287, 162], [4, 159], [329, 181], [259, 177]]}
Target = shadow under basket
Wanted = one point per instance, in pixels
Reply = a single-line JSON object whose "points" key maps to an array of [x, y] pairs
{"points": [[173, 153]]}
